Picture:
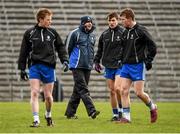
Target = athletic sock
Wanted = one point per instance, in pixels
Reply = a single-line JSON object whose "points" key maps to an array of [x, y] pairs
{"points": [[48, 114], [115, 112], [36, 117], [126, 113], [120, 110], [151, 105]]}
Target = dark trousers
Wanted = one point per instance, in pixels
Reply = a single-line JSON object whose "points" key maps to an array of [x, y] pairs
{"points": [[80, 91]]}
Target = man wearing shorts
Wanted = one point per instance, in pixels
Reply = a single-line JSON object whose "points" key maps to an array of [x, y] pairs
{"points": [[139, 50], [110, 51], [39, 46]]}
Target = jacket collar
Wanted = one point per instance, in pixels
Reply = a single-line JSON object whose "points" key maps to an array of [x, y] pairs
{"points": [[39, 27], [114, 29], [134, 27]]}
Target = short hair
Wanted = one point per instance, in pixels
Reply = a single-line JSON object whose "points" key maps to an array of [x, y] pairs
{"points": [[128, 12], [112, 15], [42, 12]]}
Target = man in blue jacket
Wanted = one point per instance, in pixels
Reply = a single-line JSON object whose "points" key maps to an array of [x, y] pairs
{"points": [[80, 44]]}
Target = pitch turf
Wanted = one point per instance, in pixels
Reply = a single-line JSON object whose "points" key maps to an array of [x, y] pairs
{"points": [[15, 117]]}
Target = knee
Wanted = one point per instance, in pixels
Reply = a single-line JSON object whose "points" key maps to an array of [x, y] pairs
{"points": [[124, 91], [49, 98], [34, 93], [139, 93], [112, 92], [48, 95], [117, 89]]}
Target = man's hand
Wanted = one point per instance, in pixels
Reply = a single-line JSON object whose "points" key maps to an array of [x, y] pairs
{"points": [[24, 75], [148, 65], [120, 63], [98, 67], [65, 66]]}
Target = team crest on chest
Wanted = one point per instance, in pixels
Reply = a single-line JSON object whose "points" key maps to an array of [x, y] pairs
{"points": [[132, 37], [118, 38], [48, 38]]}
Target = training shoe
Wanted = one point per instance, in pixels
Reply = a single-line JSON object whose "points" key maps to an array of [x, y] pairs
{"points": [[154, 114], [72, 117], [123, 120], [49, 121], [115, 118], [35, 124], [95, 114]]}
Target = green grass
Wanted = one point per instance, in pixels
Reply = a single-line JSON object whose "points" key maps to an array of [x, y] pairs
{"points": [[16, 117]]}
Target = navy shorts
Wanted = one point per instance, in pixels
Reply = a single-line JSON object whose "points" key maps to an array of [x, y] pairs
{"points": [[110, 73], [42, 72], [135, 72]]}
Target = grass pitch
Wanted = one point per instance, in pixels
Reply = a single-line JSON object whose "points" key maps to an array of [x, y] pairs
{"points": [[15, 117]]}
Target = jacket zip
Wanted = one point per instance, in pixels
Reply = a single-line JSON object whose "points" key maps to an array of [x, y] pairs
{"points": [[128, 34], [42, 37], [88, 44], [137, 60], [112, 38]]}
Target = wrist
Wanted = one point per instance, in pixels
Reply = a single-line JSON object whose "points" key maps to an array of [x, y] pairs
{"points": [[65, 62]]}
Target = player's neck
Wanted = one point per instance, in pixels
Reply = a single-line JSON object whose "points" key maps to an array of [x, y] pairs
{"points": [[133, 24]]}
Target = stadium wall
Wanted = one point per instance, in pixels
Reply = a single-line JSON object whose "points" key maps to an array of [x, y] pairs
{"points": [[161, 18]]}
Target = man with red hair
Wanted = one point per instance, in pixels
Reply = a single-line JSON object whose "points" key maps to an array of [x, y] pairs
{"points": [[38, 46]]}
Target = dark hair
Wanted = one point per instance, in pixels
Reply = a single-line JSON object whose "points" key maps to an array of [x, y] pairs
{"points": [[112, 15], [128, 13], [42, 12]]}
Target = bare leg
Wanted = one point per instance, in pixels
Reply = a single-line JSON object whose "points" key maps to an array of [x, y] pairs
{"points": [[113, 98], [35, 88], [125, 86], [117, 86], [139, 90], [48, 88]]}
